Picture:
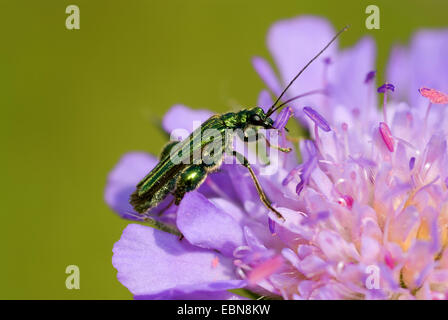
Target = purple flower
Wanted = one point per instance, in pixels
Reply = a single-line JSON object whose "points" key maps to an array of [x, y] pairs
{"points": [[369, 194]]}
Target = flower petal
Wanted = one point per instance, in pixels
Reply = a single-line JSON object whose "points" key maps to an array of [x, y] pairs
{"points": [[123, 178], [264, 100], [183, 118], [293, 43], [156, 264], [421, 65], [194, 295], [205, 225], [268, 75], [349, 75]]}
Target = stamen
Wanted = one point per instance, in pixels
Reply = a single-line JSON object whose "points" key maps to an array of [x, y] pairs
{"points": [[435, 96], [387, 136], [384, 89], [389, 260], [317, 118], [282, 118], [370, 76], [411, 163], [300, 187], [346, 201], [271, 224], [319, 122], [291, 175], [241, 251]]}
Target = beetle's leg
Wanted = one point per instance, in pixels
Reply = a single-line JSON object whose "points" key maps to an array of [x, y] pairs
{"points": [[166, 208], [242, 159], [162, 226], [268, 143], [245, 138]]}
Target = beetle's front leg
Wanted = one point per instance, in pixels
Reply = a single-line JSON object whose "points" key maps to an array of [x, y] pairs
{"points": [[243, 136], [268, 143], [243, 160]]}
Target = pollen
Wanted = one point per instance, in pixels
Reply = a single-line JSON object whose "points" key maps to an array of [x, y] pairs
{"points": [[435, 96], [387, 136]]}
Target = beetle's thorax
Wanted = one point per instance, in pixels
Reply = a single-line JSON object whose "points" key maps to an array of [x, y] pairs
{"points": [[247, 118]]}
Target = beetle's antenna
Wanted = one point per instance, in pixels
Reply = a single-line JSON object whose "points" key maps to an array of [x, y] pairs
{"points": [[272, 109], [309, 93]]}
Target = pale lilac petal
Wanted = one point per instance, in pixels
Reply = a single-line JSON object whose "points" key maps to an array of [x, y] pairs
{"points": [[123, 179], [265, 100], [153, 263], [267, 74], [175, 294], [219, 184], [423, 64], [349, 74], [265, 269], [399, 71], [293, 43], [182, 118], [428, 59], [205, 225]]}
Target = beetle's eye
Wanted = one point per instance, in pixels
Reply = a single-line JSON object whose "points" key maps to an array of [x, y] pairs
{"points": [[256, 118]]}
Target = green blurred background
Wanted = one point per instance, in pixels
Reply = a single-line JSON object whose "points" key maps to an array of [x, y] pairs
{"points": [[73, 101]]}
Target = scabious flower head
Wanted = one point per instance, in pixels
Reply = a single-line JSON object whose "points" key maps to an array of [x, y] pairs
{"points": [[366, 207]]}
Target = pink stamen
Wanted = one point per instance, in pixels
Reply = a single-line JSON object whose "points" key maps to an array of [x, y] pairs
{"points": [[215, 262], [237, 262], [346, 201], [435, 96], [389, 260], [265, 269], [387, 136]]}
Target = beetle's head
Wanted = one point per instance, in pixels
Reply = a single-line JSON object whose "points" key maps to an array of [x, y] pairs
{"points": [[257, 118]]}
